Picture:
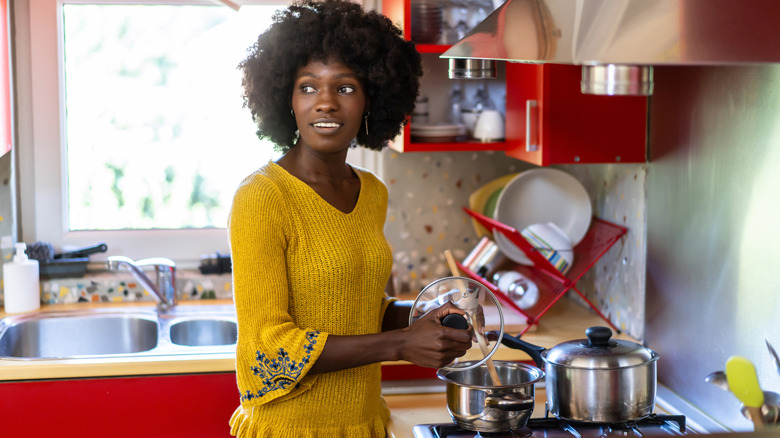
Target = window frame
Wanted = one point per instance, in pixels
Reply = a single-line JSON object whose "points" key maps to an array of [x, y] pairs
{"points": [[40, 124]]}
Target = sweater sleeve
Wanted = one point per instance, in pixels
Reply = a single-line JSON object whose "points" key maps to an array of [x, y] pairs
{"points": [[273, 355]]}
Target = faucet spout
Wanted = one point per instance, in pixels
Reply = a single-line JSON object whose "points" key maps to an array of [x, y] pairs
{"points": [[163, 289]]}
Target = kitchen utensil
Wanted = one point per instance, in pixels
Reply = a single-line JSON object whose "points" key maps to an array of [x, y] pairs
{"points": [[467, 295], [770, 410], [552, 243], [83, 252], [476, 405], [485, 196], [597, 379], [718, 378], [774, 354], [475, 322], [743, 382], [540, 196]]}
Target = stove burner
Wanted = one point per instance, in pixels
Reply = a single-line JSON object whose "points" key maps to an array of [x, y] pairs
{"points": [[551, 427]]}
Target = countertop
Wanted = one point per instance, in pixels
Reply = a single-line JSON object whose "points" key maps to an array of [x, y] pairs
{"points": [[566, 320]]}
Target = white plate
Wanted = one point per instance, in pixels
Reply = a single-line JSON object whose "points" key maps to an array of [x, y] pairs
{"points": [[538, 196], [436, 130]]}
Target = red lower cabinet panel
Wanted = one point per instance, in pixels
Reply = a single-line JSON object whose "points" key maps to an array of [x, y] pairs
{"points": [[196, 405]]}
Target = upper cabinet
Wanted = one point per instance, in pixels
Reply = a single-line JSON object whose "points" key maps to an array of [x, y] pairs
{"points": [[547, 119]]}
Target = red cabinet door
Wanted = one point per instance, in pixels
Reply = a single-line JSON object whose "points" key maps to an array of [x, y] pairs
{"points": [[197, 405]]}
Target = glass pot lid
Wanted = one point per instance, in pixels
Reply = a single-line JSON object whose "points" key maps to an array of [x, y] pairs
{"points": [[472, 297]]}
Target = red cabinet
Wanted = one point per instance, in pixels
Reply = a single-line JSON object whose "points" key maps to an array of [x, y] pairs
{"points": [[194, 405], [548, 120]]}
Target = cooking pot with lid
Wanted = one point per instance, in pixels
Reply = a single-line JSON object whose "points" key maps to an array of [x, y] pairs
{"points": [[597, 379]]}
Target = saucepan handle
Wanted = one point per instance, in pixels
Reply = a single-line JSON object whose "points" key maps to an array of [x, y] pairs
{"points": [[510, 341], [509, 404]]}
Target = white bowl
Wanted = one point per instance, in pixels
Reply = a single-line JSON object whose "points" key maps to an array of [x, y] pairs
{"points": [[539, 196]]}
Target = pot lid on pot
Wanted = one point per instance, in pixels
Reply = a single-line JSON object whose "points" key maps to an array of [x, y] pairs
{"points": [[599, 352]]}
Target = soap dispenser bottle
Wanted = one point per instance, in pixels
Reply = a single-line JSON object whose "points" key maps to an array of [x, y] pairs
{"points": [[21, 286]]}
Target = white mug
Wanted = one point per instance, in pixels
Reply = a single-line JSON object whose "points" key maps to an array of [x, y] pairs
{"points": [[490, 126]]}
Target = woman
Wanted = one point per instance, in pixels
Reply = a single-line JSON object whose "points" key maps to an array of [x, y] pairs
{"points": [[310, 261]]}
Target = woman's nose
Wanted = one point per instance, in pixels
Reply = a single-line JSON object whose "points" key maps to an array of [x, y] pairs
{"points": [[326, 101]]}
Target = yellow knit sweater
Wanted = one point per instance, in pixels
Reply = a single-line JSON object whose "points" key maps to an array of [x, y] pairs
{"points": [[302, 270]]}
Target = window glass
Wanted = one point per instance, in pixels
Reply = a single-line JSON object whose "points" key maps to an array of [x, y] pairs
{"points": [[155, 133]]}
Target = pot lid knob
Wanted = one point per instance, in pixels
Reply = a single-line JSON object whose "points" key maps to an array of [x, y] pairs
{"points": [[598, 337]]}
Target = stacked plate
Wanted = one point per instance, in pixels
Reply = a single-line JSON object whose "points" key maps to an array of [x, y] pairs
{"points": [[441, 133], [427, 21]]}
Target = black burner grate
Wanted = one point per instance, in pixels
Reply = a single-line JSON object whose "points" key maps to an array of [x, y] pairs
{"points": [[550, 427]]}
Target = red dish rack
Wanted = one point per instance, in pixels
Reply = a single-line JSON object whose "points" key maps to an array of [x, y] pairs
{"points": [[552, 283]]}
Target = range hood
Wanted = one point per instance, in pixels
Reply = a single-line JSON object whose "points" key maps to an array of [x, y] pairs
{"points": [[618, 41]]}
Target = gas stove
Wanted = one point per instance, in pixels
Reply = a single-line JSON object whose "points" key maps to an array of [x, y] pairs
{"points": [[550, 427]]}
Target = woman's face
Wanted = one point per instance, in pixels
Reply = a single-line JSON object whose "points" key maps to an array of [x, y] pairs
{"points": [[329, 101]]}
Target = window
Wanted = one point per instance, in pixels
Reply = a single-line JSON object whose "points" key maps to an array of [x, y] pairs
{"points": [[130, 123]]}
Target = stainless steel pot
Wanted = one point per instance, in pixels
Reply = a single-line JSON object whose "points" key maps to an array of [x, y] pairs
{"points": [[476, 405], [596, 379]]}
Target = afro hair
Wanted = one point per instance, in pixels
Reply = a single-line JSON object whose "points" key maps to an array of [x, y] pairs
{"points": [[366, 41]]}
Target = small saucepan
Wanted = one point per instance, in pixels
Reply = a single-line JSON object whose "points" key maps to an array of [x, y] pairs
{"points": [[597, 379], [477, 405]]}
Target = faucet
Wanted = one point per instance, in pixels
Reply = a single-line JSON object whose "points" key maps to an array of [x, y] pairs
{"points": [[163, 290]]}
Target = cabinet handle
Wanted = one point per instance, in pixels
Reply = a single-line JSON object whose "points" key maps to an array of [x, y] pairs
{"points": [[531, 126]]}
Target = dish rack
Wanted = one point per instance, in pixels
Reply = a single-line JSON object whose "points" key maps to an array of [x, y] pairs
{"points": [[552, 283]]}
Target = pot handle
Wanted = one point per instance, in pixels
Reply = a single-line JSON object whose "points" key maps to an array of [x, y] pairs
{"points": [[509, 404], [510, 341]]}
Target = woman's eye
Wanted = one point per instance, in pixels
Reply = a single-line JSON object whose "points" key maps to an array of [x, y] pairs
{"points": [[347, 89], [307, 89]]}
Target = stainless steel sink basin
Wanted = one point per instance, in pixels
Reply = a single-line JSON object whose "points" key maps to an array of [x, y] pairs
{"points": [[124, 331], [75, 335], [202, 332]]}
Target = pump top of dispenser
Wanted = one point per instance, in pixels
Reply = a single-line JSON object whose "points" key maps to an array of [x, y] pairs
{"points": [[21, 252]]}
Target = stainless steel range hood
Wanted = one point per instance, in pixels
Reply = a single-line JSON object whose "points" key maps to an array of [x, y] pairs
{"points": [[629, 35]]}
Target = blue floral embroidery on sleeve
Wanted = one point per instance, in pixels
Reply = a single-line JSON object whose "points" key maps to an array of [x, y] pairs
{"points": [[281, 372]]}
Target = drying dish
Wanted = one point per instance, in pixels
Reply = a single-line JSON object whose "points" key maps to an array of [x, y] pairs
{"points": [[540, 196], [484, 200]]}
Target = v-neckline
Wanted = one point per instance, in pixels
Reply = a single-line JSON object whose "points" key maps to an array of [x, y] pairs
{"points": [[323, 200]]}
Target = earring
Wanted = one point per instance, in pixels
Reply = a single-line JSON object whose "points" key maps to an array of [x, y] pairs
{"points": [[366, 119], [292, 113]]}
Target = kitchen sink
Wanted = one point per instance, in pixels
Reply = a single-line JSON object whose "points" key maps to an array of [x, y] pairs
{"points": [[122, 331], [75, 335], [203, 332]]}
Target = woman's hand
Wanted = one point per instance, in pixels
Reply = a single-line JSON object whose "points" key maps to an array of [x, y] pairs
{"points": [[430, 344]]}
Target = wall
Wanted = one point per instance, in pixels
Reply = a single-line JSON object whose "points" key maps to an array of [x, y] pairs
{"points": [[425, 217], [713, 207]]}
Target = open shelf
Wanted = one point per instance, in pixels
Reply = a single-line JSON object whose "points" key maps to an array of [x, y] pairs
{"points": [[552, 284]]}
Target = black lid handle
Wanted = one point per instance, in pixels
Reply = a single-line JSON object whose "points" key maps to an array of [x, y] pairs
{"points": [[455, 320], [598, 337]]}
